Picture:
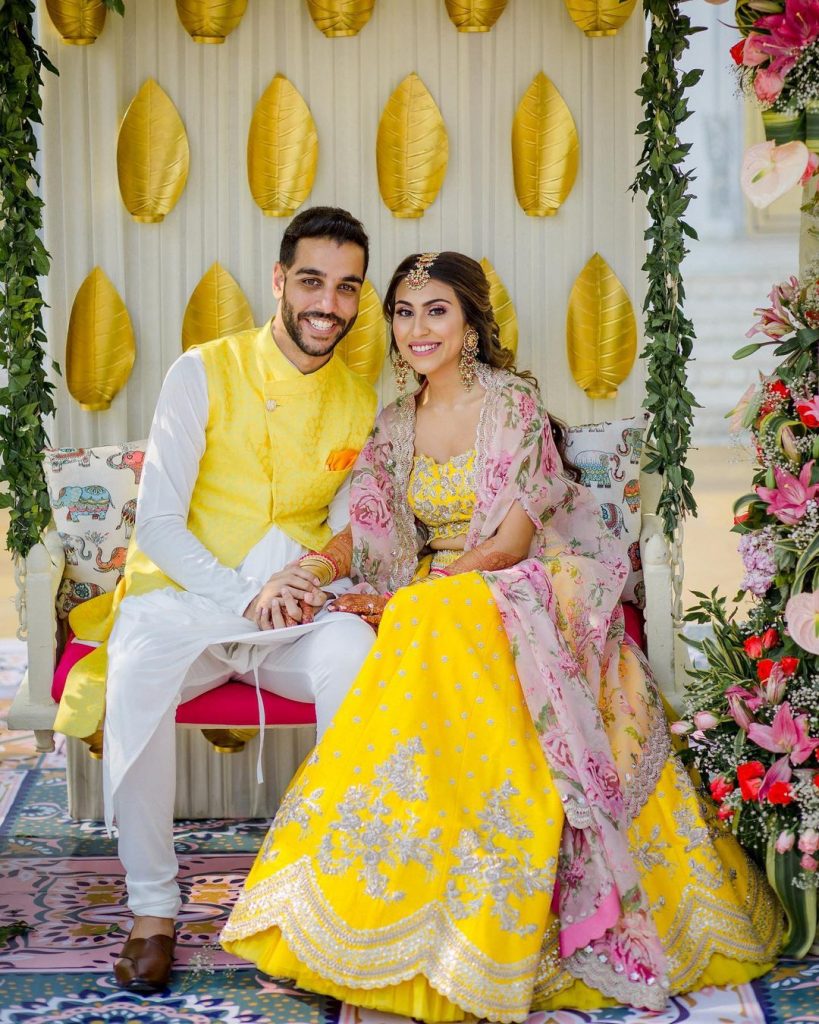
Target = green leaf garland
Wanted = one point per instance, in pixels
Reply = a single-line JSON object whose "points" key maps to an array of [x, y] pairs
{"points": [[669, 332], [26, 400]]}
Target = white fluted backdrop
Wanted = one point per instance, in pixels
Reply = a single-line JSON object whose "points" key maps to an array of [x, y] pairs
{"points": [[477, 81]]}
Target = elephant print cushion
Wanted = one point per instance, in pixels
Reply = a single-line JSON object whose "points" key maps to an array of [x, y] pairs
{"points": [[93, 495], [608, 457]]}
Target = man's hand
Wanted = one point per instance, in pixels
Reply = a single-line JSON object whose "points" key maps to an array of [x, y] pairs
{"points": [[370, 607], [289, 597]]}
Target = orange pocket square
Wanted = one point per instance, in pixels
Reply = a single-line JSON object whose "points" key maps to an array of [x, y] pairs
{"points": [[342, 459]]}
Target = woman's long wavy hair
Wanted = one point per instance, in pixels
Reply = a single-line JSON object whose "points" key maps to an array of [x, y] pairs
{"points": [[466, 278]]}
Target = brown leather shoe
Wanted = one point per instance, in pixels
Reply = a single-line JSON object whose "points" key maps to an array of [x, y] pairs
{"points": [[145, 964]]}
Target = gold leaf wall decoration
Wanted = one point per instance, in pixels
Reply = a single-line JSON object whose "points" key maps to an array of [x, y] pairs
{"points": [[152, 155], [209, 21], [99, 350], [545, 149], [79, 22], [503, 307], [340, 17], [365, 347], [600, 17], [474, 15], [601, 332], [217, 307], [412, 149], [282, 150]]}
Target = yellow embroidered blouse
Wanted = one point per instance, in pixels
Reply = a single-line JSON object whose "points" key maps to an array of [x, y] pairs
{"points": [[442, 498]]}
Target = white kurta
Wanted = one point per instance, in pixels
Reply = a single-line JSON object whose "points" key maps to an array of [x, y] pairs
{"points": [[158, 636]]}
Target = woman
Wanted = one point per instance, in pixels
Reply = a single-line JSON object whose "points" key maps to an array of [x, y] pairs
{"points": [[495, 820]]}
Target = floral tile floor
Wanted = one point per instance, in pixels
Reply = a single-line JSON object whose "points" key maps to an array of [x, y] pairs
{"points": [[62, 877]]}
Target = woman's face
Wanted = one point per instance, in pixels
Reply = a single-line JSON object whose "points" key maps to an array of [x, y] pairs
{"points": [[429, 326]]}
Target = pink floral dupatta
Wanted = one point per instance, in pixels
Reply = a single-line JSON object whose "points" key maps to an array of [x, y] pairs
{"points": [[561, 613]]}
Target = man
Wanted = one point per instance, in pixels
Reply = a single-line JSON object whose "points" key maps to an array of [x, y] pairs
{"points": [[252, 437]]}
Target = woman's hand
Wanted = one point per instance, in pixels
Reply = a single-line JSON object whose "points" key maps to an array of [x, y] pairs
{"points": [[289, 597], [370, 607]]}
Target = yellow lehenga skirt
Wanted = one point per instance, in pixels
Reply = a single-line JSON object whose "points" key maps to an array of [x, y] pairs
{"points": [[411, 866]]}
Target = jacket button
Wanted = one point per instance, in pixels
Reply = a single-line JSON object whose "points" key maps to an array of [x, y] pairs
{"points": [[270, 404]]}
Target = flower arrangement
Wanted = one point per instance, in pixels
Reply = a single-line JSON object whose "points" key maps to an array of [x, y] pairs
{"points": [[777, 63], [752, 713], [778, 58]]}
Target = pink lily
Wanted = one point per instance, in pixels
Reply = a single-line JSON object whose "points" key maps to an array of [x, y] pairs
{"points": [[794, 28], [786, 735], [788, 500], [774, 320], [738, 707], [751, 698]]}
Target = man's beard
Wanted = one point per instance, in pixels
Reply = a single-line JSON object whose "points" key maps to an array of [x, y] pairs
{"points": [[294, 328]]}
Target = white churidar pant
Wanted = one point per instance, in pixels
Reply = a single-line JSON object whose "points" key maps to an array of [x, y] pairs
{"points": [[165, 648]]}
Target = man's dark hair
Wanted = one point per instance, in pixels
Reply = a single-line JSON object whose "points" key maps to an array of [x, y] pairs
{"points": [[323, 222]]}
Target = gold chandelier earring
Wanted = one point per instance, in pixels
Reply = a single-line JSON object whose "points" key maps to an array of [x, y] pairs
{"points": [[400, 368], [466, 364]]}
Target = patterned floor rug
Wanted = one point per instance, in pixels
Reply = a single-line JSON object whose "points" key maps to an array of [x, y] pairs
{"points": [[62, 878]]}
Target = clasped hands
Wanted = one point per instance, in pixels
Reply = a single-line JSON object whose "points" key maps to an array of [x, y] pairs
{"points": [[292, 596]]}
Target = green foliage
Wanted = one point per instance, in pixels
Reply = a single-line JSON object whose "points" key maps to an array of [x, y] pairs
{"points": [[11, 931], [669, 333], [115, 5], [26, 400]]}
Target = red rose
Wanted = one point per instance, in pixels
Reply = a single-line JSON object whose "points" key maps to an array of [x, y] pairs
{"points": [[764, 669], [780, 793], [770, 638], [724, 813], [753, 646], [777, 387], [816, 781], [736, 51], [789, 665], [720, 788], [750, 779], [805, 411]]}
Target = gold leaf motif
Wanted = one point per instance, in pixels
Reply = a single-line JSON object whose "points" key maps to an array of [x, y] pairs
{"points": [[503, 308], [365, 347], [474, 15], [152, 155], [217, 307], [99, 349], [600, 17], [601, 332], [545, 149], [79, 22], [412, 149], [209, 21], [340, 17], [282, 150]]}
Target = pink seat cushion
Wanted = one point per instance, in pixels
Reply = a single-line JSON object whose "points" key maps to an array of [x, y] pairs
{"points": [[235, 703], [634, 623], [228, 704]]}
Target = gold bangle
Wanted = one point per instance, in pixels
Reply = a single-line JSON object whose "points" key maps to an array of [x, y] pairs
{"points": [[320, 567]]}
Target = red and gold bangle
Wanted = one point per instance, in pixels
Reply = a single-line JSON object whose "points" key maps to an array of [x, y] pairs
{"points": [[441, 572], [317, 561]]}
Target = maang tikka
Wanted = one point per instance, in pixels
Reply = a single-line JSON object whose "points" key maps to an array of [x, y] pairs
{"points": [[466, 364], [418, 277]]}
